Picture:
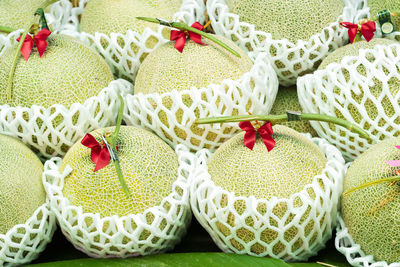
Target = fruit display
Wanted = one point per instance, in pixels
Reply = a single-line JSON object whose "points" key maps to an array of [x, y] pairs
{"points": [[23, 208], [356, 84], [296, 35], [369, 212], [199, 133], [171, 93]]}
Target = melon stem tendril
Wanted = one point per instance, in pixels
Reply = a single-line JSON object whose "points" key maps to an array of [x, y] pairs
{"points": [[380, 181], [185, 27], [276, 119]]}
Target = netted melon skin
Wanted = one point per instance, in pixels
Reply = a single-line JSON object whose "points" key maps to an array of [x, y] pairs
{"points": [[363, 89], [290, 59], [51, 131], [18, 14], [287, 100], [148, 164], [153, 231], [27, 224], [292, 228], [172, 115], [21, 187], [371, 214], [124, 51]]}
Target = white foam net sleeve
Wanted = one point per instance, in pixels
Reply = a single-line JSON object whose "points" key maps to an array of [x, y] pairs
{"points": [[364, 12], [23, 243], [225, 216], [341, 90], [290, 60], [155, 230], [51, 131], [124, 52], [254, 92], [345, 244]]}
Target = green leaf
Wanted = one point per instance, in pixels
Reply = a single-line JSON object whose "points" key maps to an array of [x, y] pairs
{"points": [[173, 260]]}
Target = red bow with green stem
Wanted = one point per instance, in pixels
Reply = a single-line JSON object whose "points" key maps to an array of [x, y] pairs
{"points": [[367, 29], [102, 152], [265, 131], [180, 36]]}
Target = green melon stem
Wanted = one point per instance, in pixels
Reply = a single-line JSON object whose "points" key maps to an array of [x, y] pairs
{"points": [[7, 29], [17, 53], [113, 144], [276, 119], [380, 181], [185, 27]]}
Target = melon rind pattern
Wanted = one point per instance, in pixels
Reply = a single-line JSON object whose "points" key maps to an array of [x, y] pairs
{"points": [[259, 86], [124, 52], [23, 243], [364, 12], [290, 60], [41, 129], [355, 256], [321, 198], [317, 94], [115, 236]]}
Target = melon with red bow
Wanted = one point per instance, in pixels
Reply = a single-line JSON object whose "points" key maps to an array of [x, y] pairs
{"points": [[18, 13], [67, 72], [149, 167], [118, 16], [166, 69], [371, 202]]}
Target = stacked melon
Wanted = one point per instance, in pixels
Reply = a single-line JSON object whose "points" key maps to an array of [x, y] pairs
{"points": [[361, 88], [150, 219], [258, 202], [371, 214], [203, 79]]}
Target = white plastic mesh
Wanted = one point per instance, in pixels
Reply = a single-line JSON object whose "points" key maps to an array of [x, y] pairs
{"points": [[155, 230], [254, 92], [23, 243], [124, 52], [215, 207], [51, 131], [364, 12], [290, 60], [355, 256], [341, 90]]}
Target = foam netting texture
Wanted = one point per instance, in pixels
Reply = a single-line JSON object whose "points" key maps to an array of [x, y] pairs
{"points": [[124, 52], [364, 12], [290, 60], [51, 131], [155, 230], [254, 92], [345, 244], [340, 90], [216, 209], [23, 243]]}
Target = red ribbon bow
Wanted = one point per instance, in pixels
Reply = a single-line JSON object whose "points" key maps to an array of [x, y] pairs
{"points": [[39, 39], [99, 154], [367, 30], [180, 36], [265, 132]]}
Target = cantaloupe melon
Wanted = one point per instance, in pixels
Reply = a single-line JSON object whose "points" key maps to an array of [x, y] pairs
{"points": [[372, 214], [166, 69], [287, 169], [287, 100], [291, 19], [119, 16], [68, 72], [379, 5], [21, 188], [149, 167], [376, 84], [18, 14]]}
